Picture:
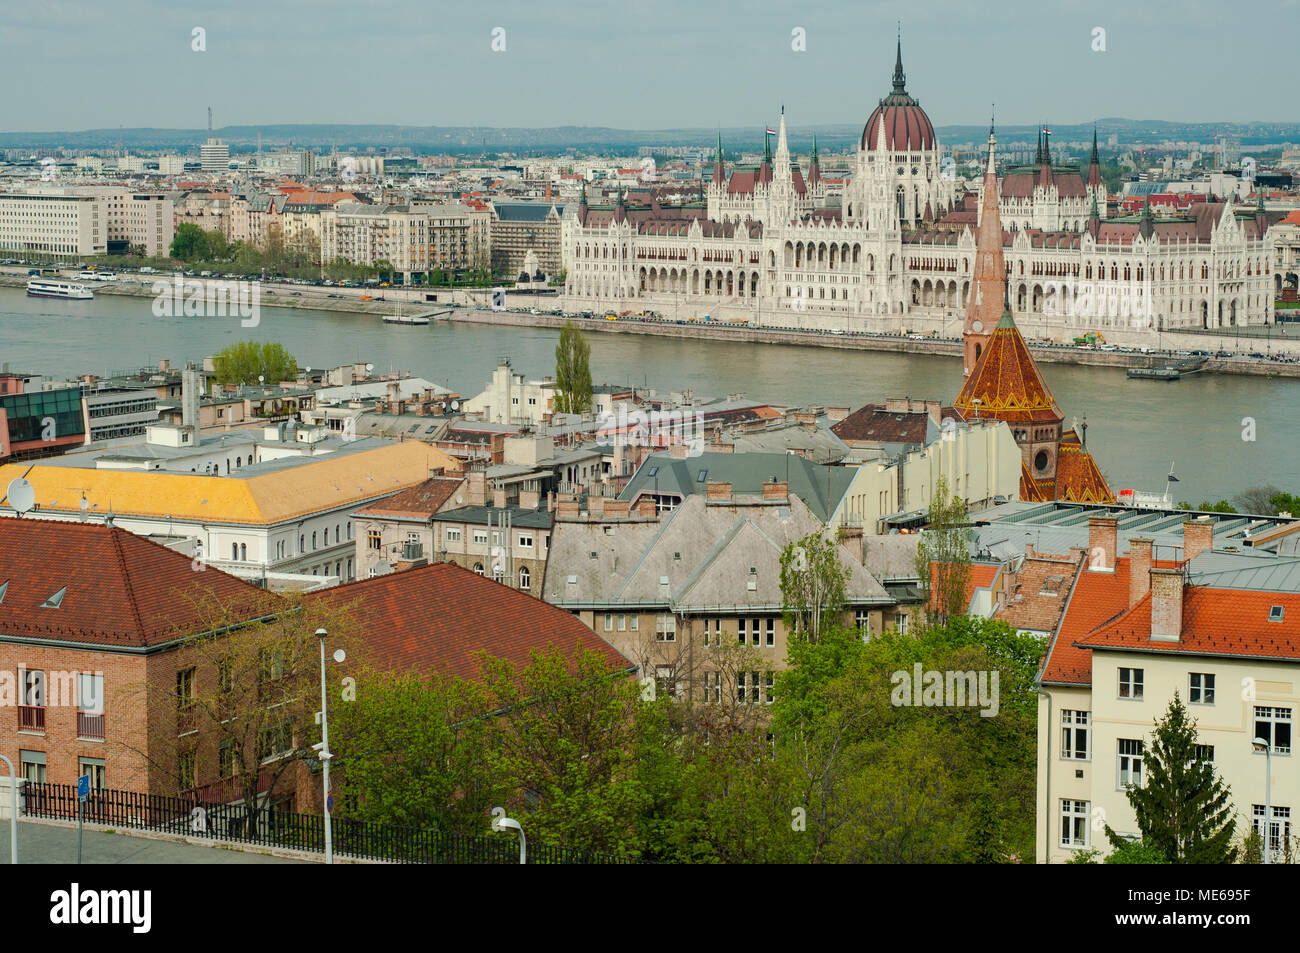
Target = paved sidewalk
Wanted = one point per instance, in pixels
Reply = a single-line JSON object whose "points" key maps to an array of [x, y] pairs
{"points": [[51, 844]]}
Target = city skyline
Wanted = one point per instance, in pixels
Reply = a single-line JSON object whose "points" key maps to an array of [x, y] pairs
{"points": [[322, 64]]}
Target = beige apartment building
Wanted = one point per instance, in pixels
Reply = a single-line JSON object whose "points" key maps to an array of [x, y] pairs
{"points": [[1219, 628], [53, 223], [416, 239]]}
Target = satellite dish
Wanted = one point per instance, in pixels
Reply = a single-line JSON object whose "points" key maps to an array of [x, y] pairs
{"points": [[455, 405], [22, 495]]}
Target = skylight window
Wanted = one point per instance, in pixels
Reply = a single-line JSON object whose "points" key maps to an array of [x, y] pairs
{"points": [[1274, 612], [702, 476], [54, 601], [4, 587], [653, 471]]}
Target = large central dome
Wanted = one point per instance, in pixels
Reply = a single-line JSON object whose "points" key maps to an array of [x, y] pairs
{"points": [[907, 127]]}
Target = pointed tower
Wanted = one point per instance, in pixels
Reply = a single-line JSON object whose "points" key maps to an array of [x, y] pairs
{"points": [[781, 195], [1146, 227], [1094, 219], [814, 167], [719, 172], [1094, 163], [1045, 160], [989, 277], [582, 204]]}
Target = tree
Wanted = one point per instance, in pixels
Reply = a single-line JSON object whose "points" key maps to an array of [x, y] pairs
{"points": [[244, 362], [236, 718], [943, 556], [1183, 810], [1223, 506], [813, 583], [1285, 503], [1257, 500], [572, 371], [189, 243]]}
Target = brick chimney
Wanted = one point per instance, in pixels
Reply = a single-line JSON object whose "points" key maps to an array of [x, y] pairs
{"points": [[718, 491], [499, 497], [645, 506], [1167, 604], [679, 451], [476, 488], [1139, 568], [1198, 537], [529, 499], [1103, 533], [567, 509], [776, 491], [617, 508]]}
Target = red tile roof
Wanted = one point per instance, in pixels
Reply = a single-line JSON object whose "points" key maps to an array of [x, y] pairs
{"points": [[121, 589], [1007, 382], [417, 502], [1215, 622], [438, 617]]}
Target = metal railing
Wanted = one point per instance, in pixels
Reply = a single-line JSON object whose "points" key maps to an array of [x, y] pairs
{"points": [[273, 827], [31, 718], [90, 725]]}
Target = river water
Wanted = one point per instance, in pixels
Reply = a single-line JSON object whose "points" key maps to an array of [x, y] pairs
{"points": [[1135, 428]]}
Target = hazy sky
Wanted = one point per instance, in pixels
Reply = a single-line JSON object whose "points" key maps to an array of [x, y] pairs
{"points": [[668, 63]]}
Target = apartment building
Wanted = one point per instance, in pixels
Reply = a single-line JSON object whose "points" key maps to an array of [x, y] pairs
{"points": [[1207, 617], [693, 595], [89, 614], [416, 239], [521, 227], [54, 224]]}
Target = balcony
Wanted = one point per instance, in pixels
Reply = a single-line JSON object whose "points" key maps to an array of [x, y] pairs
{"points": [[412, 551], [31, 717], [90, 726]]}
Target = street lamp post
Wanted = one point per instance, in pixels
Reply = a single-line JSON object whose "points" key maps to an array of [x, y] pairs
{"points": [[1262, 745], [13, 808], [324, 746], [500, 823]]}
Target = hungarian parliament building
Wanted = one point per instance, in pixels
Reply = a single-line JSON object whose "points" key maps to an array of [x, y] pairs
{"points": [[895, 250]]}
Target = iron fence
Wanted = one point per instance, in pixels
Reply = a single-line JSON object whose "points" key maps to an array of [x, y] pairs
{"points": [[272, 827]]}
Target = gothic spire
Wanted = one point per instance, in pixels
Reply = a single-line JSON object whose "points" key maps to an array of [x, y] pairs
{"points": [[900, 80]]}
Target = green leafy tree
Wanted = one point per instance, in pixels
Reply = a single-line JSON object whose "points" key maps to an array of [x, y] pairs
{"points": [[1183, 810], [189, 243], [245, 361], [572, 371], [1223, 506], [1285, 503], [943, 556], [814, 579]]}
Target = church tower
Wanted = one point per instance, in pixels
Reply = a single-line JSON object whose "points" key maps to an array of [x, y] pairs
{"points": [[988, 285]]}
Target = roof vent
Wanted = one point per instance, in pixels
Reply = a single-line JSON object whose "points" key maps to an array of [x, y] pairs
{"points": [[54, 601], [593, 554], [1274, 613], [675, 556]]}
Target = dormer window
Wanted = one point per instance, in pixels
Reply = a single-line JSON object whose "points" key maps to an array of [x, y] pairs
{"points": [[54, 601], [1274, 612]]}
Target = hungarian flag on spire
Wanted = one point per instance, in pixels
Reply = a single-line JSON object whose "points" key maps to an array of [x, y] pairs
{"points": [[771, 132]]}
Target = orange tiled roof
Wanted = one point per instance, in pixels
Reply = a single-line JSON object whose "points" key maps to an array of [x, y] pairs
{"points": [[1215, 621], [1007, 382]]}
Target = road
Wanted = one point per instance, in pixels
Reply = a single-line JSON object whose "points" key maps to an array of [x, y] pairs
{"points": [[51, 844]]}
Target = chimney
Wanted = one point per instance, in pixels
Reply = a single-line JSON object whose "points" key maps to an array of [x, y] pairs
{"points": [[568, 509], [617, 509], [1198, 537], [499, 497], [645, 507], [191, 389], [477, 488], [776, 491], [1103, 532], [836, 414], [596, 506], [679, 451], [1139, 568], [718, 491], [935, 409], [530, 499], [1167, 604], [550, 502], [898, 405]]}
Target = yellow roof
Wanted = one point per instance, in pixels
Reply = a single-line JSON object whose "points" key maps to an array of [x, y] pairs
{"points": [[332, 481]]}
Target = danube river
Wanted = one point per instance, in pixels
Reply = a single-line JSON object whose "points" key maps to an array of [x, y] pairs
{"points": [[1135, 428]]}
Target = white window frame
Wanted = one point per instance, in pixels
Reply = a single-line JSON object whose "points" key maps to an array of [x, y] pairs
{"points": [[665, 627], [1075, 816], [1130, 688], [1128, 762], [1273, 716], [1076, 724], [1200, 688]]}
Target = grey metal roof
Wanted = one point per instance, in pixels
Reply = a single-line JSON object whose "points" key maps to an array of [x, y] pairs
{"points": [[697, 558], [523, 211], [520, 516], [820, 487]]}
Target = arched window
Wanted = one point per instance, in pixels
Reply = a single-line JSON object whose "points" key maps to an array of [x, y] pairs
{"points": [[525, 577], [234, 550], [243, 551], [478, 568]]}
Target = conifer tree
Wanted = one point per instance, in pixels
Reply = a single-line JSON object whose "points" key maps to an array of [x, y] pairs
{"points": [[1183, 810]]}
